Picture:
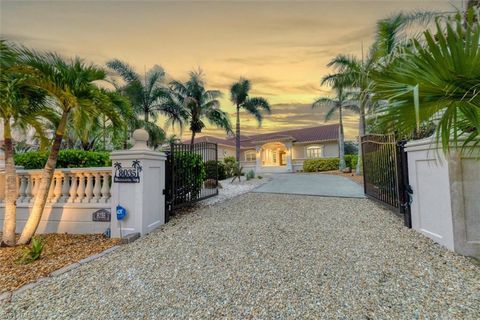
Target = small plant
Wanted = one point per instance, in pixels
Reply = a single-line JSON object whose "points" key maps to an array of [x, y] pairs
{"points": [[238, 172], [259, 177], [34, 252], [250, 175]]}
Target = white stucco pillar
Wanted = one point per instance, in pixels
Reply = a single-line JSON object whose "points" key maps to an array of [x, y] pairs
{"points": [[289, 156], [138, 182], [258, 159]]}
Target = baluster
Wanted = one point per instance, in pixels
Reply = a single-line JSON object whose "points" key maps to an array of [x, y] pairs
{"points": [[57, 192], [65, 188], [22, 189], [73, 188], [35, 186], [28, 189], [88, 188], [80, 188], [97, 189], [105, 187]]}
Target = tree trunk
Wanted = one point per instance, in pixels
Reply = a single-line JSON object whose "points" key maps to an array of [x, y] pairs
{"points": [[42, 192], [361, 133], [192, 140], [9, 224], [341, 141], [237, 138]]}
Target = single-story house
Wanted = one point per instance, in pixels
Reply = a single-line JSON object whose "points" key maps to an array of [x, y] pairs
{"points": [[282, 151]]}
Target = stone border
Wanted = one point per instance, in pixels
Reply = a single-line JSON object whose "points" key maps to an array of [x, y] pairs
{"points": [[8, 295]]}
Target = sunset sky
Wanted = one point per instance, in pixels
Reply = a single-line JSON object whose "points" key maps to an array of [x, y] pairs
{"points": [[281, 46]]}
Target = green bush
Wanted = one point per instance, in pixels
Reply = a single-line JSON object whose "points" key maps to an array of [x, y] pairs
{"points": [[351, 160], [329, 164], [250, 175], [190, 167], [34, 252], [322, 164], [211, 168], [70, 158], [230, 166]]}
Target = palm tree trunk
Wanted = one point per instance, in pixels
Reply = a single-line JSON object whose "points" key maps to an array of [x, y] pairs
{"points": [[9, 224], [341, 139], [361, 133], [192, 140], [237, 143], [47, 175]]}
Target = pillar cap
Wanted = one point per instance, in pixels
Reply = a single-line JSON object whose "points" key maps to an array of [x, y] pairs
{"points": [[140, 138]]}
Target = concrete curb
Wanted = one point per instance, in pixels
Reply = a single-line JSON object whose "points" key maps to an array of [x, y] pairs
{"points": [[7, 296]]}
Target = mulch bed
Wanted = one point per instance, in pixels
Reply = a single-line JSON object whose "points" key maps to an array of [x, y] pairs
{"points": [[352, 176], [60, 250]]}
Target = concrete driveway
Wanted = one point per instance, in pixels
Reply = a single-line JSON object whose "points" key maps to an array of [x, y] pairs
{"points": [[313, 184]]}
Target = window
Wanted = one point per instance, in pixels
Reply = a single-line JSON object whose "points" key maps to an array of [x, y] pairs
{"points": [[250, 156], [314, 152]]}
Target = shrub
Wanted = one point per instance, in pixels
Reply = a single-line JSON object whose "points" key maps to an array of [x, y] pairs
{"points": [[33, 252], [230, 166], [211, 168], [70, 158], [322, 164], [351, 160], [190, 167], [250, 175], [259, 177]]}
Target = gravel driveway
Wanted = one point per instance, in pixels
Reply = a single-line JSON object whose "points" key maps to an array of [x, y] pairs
{"points": [[267, 256]]}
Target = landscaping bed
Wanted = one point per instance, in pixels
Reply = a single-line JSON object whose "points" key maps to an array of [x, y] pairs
{"points": [[60, 250]]}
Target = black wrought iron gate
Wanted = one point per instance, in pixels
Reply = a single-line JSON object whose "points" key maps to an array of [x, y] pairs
{"points": [[191, 174], [385, 172]]}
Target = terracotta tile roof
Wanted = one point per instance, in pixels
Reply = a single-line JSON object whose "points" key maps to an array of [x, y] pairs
{"points": [[319, 133]]}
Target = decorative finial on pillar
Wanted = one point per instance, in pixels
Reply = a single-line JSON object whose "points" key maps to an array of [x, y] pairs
{"points": [[140, 138]]}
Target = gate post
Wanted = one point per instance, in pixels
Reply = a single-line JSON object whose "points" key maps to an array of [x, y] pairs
{"points": [[138, 181], [403, 183]]}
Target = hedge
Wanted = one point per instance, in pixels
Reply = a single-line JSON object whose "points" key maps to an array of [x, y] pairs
{"points": [[69, 158], [328, 164], [190, 169], [211, 168]]}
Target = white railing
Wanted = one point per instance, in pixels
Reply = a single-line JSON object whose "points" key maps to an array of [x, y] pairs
{"points": [[79, 185]]}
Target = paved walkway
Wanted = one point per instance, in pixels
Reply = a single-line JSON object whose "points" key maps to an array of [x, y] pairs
{"points": [[313, 184], [267, 256]]}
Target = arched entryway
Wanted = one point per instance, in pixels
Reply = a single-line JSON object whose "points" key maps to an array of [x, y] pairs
{"points": [[274, 157]]}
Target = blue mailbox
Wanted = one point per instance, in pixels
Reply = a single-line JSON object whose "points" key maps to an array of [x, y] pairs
{"points": [[121, 212]]}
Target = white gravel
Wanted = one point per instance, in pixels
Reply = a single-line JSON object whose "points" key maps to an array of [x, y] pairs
{"points": [[233, 189], [267, 256]]}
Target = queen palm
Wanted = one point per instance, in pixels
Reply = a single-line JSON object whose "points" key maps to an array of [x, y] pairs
{"points": [[195, 104], [146, 95], [339, 103], [70, 86], [239, 92], [21, 105]]}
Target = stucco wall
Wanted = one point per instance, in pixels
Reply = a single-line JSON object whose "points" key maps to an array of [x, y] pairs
{"points": [[445, 204], [330, 149], [224, 151]]}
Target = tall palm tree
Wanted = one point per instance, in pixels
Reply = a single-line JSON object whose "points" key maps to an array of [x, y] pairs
{"points": [[70, 86], [146, 95], [339, 103], [253, 105], [21, 105], [196, 104]]}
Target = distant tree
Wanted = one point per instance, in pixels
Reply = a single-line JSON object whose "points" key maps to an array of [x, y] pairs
{"points": [[197, 104], [239, 95], [351, 147]]}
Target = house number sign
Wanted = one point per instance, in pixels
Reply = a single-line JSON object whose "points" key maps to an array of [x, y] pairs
{"points": [[127, 174]]}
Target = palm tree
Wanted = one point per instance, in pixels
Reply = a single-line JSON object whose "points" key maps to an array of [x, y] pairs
{"points": [[20, 105], [340, 103], [437, 81], [70, 86], [147, 97], [254, 105], [194, 104]]}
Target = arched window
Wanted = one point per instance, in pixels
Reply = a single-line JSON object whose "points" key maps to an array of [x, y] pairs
{"points": [[314, 152], [250, 155]]}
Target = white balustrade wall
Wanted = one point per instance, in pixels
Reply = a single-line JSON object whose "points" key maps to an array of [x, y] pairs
{"points": [[74, 195]]}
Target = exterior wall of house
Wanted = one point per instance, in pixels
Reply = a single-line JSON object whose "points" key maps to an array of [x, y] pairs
{"points": [[225, 151]]}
